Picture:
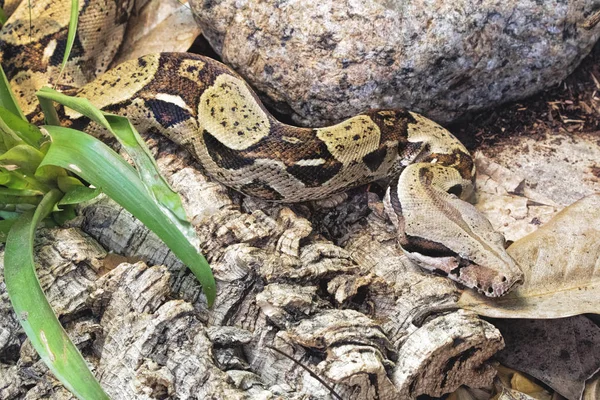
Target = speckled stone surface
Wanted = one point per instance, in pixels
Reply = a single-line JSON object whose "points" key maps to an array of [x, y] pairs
{"points": [[326, 60]]}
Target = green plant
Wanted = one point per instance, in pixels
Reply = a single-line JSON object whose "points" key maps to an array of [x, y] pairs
{"points": [[3, 17], [44, 172]]}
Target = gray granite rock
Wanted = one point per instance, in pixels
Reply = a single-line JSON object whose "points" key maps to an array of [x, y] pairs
{"points": [[326, 60]]}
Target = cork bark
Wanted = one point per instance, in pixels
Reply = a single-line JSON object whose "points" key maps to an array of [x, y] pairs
{"points": [[314, 301]]}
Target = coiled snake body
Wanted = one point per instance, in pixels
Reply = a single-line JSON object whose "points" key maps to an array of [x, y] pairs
{"points": [[206, 107]]}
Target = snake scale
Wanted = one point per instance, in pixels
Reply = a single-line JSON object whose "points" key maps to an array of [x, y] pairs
{"points": [[206, 107]]}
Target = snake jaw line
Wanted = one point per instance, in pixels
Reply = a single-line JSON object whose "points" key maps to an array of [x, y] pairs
{"points": [[442, 233], [486, 280]]}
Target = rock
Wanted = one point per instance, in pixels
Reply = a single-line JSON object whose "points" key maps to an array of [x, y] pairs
{"points": [[326, 60]]}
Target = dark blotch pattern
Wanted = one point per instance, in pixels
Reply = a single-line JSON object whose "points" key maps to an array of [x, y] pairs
{"points": [[261, 189], [167, 114], [374, 159], [61, 46], [313, 176], [394, 200], [458, 160], [223, 156]]}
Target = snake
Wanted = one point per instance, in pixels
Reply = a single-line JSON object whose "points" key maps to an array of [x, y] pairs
{"points": [[210, 110]]}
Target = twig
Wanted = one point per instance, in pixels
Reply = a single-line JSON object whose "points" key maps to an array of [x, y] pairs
{"points": [[595, 80], [333, 392]]}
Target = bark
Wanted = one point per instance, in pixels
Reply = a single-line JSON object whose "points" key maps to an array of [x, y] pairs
{"points": [[326, 286]]}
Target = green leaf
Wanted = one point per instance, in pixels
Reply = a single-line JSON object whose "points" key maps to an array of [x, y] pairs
{"points": [[24, 156], [3, 16], [9, 137], [95, 162], [35, 314], [68, 183], [27, 132], [20, 192], [50, 114], [19, 196], [72, 32], [7, 98], [5, 226], [78, 195], [12, 214], [131, 141], [17, 180], [49, 174], [65, 214], [135, 146]]}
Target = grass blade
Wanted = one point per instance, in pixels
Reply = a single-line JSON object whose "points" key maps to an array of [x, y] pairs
{"points": [[33, 311], [3, 16], [96, 163], [7, 98], [71, 34]]}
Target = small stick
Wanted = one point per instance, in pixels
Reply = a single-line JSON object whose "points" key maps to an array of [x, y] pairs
{"points": [[333, 392]]}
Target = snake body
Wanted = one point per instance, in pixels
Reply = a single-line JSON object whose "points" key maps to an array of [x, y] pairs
{"points": [[210, 110]]}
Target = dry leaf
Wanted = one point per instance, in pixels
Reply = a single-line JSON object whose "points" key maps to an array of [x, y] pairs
{"points": [[525, 385], [510, 394], [556, 166], [160, 26], [561, 263], [513, 208], [562, 353], [592, 389], [510, 379]]}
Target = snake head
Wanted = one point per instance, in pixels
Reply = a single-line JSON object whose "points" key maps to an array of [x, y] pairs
{"points": [[446, 235], [491, 271]]}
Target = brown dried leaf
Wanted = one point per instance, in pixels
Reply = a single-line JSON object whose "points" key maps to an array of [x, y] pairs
{"points": [[561, 263], [510, 394], [592, 389], [513, 208], [562, 353], [510, 379], [160, 26]]}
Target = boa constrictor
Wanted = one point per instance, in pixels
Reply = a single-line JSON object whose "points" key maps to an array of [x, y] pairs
{"points": [[206, 107]]}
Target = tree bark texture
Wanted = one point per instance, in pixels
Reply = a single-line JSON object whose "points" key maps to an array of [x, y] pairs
{"points": [[325, 284]]}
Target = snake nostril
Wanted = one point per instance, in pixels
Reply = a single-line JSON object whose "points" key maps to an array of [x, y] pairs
{"points": [[504, 279]]}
